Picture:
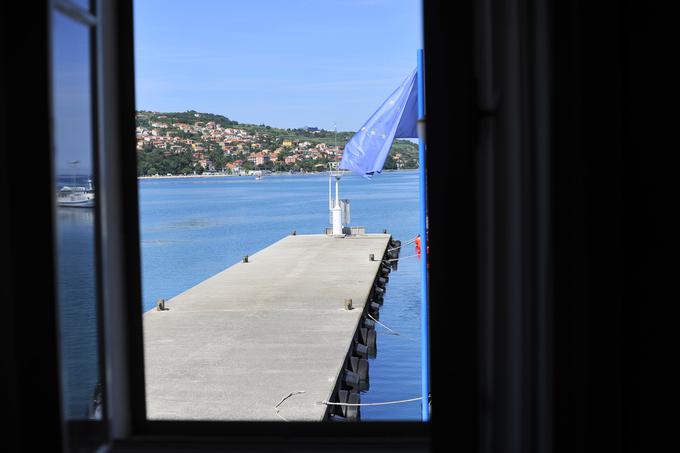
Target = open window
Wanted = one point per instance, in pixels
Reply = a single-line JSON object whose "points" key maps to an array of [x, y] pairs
{"points": [[541, 187], [264, 298], [128, 246]]}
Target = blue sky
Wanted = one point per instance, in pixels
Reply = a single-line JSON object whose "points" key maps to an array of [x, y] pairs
{"points": [[72, 119], [285, 63]]}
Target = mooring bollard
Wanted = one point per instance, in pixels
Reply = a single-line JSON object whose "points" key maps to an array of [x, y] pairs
{"points": [[294, 232], [348, 304], [160, 305], [245, 259], [371, 257]]}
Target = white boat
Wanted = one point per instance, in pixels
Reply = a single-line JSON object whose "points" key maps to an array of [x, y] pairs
{"points": [[75, 197]]}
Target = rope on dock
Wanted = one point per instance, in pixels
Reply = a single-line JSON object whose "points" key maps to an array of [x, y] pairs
{"points": [[384, 403], [394, 332], [397, 259], [276, 408], [404, 244]]}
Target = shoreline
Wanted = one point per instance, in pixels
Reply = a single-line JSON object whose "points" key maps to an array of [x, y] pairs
{"points": [[250, 176]]}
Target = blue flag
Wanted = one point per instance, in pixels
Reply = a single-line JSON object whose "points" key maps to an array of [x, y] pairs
{"points": [[365, 153]]}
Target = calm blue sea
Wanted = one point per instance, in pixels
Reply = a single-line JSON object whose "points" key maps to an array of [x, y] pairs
{"points": [[193, 228]]}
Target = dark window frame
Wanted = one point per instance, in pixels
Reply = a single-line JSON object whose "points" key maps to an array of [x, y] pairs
{"points": [[117, 188], [398, 432], [26, 241], [143, 430], [82, 433]]}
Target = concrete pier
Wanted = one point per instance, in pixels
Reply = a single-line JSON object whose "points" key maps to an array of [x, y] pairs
{"points": [[233, 346]]}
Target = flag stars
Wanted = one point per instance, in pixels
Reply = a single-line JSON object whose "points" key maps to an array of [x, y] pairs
{"points": [[366, 151]]}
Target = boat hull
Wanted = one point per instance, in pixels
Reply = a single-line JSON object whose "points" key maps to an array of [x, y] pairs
{"points": [[76, 204]]}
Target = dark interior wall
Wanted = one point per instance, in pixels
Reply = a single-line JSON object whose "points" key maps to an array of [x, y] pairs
{"points": [[651, 229], [589, 154], [608, 223], [610, 199], [27, 326]]}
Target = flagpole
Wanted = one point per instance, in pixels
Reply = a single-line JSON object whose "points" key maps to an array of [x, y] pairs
{"points": [[424, 327]]}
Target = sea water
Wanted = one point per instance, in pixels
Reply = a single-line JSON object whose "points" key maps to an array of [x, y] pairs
{"points": [[193, 228]]}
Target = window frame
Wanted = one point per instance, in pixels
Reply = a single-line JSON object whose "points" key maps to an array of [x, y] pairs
{"points": [[584, 386], [84, 432], [126, 382]]}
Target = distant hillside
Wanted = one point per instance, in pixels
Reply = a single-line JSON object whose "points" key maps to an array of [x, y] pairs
{"points": [[188, 142]]}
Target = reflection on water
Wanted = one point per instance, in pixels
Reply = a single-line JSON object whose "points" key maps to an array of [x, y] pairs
{"points": [[77, 308], [75, 218], [72, 134]]}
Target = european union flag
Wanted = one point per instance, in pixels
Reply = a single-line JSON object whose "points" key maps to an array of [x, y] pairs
{"points": [[397, 117]]}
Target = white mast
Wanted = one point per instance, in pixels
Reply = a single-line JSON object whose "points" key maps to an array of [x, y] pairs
{"points": [[336, 211], [339, 210], [75, 170]]}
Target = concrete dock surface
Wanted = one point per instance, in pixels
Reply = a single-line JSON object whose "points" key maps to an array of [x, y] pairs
{"points": [[233, 346]]}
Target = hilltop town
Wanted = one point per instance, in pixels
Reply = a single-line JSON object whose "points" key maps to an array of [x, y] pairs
{"points": [[185, 143]]}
